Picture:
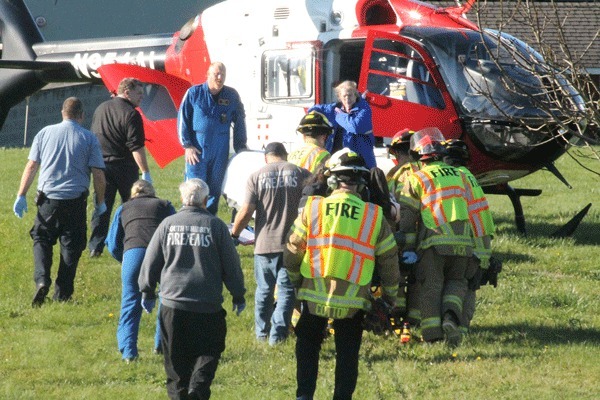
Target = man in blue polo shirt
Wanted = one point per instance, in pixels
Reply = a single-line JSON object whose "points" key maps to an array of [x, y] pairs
{"points": [[65, 154]]}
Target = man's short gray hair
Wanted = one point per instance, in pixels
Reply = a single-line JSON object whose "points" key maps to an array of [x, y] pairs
{"points": [[193, 192]]}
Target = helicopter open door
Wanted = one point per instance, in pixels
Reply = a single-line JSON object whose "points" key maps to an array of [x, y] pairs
{"points": [[403, 87], [163, 94]]}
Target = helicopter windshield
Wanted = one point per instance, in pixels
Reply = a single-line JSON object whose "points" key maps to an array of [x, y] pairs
{"points": [[496, 85], [476, 69]]}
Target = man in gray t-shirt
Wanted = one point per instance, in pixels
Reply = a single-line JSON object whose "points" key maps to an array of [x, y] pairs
{"points": [[274, 192]]}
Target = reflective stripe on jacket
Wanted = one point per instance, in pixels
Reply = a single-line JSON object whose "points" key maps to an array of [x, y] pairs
{"points": [[341, 238], [442, 195], [309, 157], [332, 261], [397, 178], [440, 189], [480, 216]]}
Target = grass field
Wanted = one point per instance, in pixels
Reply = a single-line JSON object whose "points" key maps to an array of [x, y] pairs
{"points": [[536, 336]]}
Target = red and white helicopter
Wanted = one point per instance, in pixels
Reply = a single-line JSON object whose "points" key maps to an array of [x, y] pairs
{"points": [[418, 65]]}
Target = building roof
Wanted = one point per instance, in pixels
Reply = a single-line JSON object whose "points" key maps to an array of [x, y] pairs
{"points": [[580, 21]]}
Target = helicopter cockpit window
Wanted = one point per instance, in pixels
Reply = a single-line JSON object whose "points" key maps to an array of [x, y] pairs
{"points": [[484, 78], [157, 103], [492, 78], [288, 76], [396, 70]]}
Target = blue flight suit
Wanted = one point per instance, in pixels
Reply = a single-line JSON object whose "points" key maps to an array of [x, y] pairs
{"points": [[204, 122], [356, 126]]}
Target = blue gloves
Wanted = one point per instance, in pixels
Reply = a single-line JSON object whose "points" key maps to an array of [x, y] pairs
{"points": [[148, 305], [409, 257], [146, 176], [239, 307], [20, 206], [99, 210]]}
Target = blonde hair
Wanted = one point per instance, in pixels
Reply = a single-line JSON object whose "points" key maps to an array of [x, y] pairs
{"points": [[193, 192], [142, 187], [347, 85]]}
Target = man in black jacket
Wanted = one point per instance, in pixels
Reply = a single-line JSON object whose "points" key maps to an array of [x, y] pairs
{"points": [[120, 131]]}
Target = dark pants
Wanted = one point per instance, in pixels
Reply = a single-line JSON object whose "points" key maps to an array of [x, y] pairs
{"points": [[64, 220], [443, 288], [348, 338], [192, 344], [120, 177]]}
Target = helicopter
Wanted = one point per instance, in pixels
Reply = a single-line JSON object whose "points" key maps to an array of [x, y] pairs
{"points": [[417, 65]]}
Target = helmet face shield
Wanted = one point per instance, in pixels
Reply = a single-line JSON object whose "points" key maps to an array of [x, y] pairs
{"points": [[428, 143]]}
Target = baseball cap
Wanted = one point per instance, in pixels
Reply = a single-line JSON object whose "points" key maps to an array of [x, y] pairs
{"points": [[276, 148]]}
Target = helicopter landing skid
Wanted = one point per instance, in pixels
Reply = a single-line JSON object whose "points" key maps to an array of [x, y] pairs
{"points": [[515, 198]]}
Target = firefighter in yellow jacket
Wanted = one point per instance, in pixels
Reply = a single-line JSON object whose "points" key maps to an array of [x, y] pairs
{"points": [[315, 128], [482, 226], [333, 248], [397, 177], [443, 237]]}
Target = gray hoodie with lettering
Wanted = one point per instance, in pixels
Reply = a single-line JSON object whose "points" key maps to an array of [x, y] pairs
{"points": [[192, 255]]}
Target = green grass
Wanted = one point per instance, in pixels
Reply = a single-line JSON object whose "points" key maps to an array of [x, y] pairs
{"points": [[536, 336]]}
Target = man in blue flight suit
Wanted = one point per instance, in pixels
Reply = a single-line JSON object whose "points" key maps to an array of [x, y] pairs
{"points": [[203, 125]]}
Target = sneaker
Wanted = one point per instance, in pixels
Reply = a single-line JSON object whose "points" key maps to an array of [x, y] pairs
{"points": [[451, 331], [40, 295], [157, 350]]}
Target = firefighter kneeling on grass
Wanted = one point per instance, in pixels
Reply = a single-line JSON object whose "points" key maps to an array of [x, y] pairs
{"points": [[332, 250]]}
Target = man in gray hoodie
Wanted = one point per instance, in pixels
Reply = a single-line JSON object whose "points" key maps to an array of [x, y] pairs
{"points": [[192, 255]]}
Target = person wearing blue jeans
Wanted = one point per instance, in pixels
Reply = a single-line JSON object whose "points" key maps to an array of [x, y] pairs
{"points": [[133, 225], [272, 320], [274, 192], [131, 307]]}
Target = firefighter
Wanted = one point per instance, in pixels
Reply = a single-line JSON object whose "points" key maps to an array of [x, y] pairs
{"points": [[443, 238], [408, 293], [315, 128], [332, 250], [482, 226]]}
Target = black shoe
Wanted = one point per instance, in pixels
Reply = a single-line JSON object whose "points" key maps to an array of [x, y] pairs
{"points": [[95, 253], [451, 331], [157, 350], [40, 295]]}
